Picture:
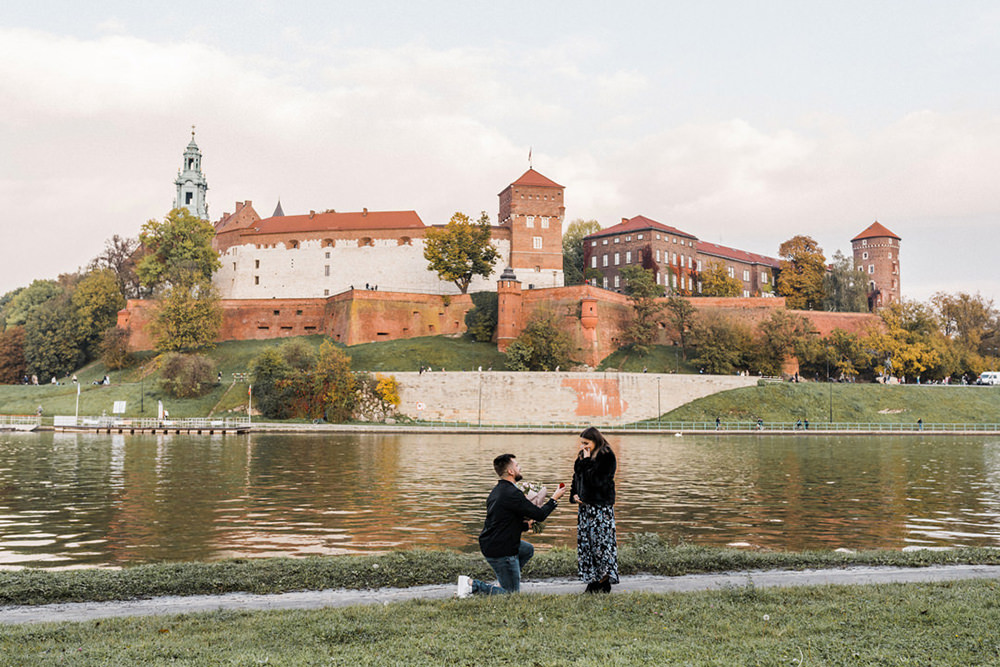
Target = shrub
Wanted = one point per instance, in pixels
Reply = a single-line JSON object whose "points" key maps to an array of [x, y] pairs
{"points": [[481, 320], [187, 375], [114, 349]]}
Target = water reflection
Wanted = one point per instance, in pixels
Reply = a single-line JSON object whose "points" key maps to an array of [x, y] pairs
{"points": [[70, 499]]}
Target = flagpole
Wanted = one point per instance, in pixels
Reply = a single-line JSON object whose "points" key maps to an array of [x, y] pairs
{"points": [[76, 418], [250, 404]]}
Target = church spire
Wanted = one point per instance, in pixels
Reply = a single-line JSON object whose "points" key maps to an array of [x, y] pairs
{"points": [[191, 183]]}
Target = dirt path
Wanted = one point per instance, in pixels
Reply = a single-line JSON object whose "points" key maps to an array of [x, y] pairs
{"points": [[86, 611]]}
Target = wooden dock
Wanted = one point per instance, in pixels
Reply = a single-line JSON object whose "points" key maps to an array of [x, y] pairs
{"points": [[124, 425]]}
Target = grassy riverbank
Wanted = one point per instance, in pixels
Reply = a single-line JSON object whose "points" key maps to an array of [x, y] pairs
{"points": [[947, 624], [139, 386], [866, 403], [648, 554]]}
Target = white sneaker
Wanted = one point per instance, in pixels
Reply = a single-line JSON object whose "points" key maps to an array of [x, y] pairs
{"points": [[464, 586]]}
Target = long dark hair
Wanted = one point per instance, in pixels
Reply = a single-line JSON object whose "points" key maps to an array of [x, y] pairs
{"points": [[600, 442]]}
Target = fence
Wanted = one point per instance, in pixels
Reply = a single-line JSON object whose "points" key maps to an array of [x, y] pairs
{"points": [[20, 420], [193, 423], [740, 427]]}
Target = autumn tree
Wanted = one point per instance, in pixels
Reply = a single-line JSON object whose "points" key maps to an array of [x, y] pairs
{"points": [[461, 250], [681, 315], [642, 291], [177, 249], [121, 255], [968, 319], [187, 316], [903, 347], [97, 300], [723, 344], [13, 367], [53, 340], [333, 384], [844, 287], [802, 269], [716, 281], [573, 268], [544, 345], [777, 339]]}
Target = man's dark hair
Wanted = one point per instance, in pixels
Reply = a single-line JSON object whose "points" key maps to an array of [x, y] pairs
{"points": [[501, 462]]}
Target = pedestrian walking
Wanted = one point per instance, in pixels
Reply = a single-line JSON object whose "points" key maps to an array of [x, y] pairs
{"points": [[593, 489]]}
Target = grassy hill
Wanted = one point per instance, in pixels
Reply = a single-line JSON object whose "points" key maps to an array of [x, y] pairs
{"points": [[139, 385], [898, 404], [660, 359]]}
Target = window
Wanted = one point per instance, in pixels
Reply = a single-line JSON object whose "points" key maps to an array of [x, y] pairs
{"points": [[871, 268], [699, 265], [326, 270], [327, 254], [746, 275], [674, 259], [729, 270], [864, 255], [657, 237], [657, 254], [746, 294], [604, 282], [545, 222], [639, 237], [864, 243], [617, 281], [673, 280], [256, 264], [658, 278], [628, 256], [530, 221], [617, 261], [763, 277], [604, 242], [674, 239], [326, 292], [605, 259], [593, 244], [699, 287], [690, 262], [593, 262], [617, 239], [256, 280], [628, 238], [536, 242]]}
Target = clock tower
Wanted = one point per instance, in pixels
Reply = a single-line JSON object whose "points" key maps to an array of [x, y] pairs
{"points": [[191, 183]]}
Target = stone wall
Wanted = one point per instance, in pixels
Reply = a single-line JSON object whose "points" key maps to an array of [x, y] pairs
{"points": [[492, 397]]}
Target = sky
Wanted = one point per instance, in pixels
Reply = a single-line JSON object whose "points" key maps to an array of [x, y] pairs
{"points": [[743, 123]]}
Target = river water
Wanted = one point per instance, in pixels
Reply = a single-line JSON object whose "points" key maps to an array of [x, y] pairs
{"points": [[100, 500]]}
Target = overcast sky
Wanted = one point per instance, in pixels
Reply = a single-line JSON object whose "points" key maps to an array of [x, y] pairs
{"points": [[743, 123]]}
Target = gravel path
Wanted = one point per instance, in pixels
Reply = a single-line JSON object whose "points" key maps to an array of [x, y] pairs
{"points": [[86, 611]]}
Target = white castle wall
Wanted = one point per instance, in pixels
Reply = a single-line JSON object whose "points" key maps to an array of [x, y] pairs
{"points": [[314, 271]]}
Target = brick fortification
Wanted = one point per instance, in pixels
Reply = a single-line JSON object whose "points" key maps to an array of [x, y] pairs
{"points": [[876, 253]]}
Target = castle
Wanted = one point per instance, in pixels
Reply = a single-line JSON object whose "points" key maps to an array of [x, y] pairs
{"points": [[361, 276]]}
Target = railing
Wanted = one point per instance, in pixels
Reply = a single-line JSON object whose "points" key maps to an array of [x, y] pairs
{"points": [[147, 423], [735, 426], [20, 420]]}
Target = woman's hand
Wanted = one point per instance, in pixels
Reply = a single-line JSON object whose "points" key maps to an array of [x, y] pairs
{"points": [[576, 499], [586, 448]]}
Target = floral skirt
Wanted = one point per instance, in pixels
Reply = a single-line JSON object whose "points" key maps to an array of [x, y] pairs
{"points": [[596, 544]]}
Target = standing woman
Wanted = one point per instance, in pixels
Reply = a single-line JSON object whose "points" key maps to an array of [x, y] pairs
{"points": [[593, 489]]}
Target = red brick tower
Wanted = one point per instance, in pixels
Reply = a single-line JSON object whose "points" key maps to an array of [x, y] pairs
{"points": [[876, 252], [532, 207], [510, 321]]}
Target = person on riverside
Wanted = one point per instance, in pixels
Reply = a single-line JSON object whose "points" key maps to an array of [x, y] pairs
{"points": [[593, 489], [508, 514]]}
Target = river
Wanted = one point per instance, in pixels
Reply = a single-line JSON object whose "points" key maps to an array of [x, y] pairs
{"points": [[108, 500]]}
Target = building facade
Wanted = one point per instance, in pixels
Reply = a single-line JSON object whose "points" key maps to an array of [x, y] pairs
{"points": [[876, 253], [321, 254], [675, 257]]}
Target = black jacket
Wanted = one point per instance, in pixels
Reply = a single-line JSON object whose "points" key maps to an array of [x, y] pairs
{"points": [[594, 479], [507, 508]]}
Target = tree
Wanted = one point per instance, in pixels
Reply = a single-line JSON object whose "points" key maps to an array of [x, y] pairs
{"points": [[334, 384], [114, 350], [53, 344], [177, 249], [802, 268], [267, 370], [573, 269], [97, 300], [120, 255], [716, 281], [681, 314], [778, 338], [461, 250], [724, 344], [904, 347], [13, 367], [844, 287], [642, 292], [481, 320], [187, 375], [965, 318], [543, 345], [24, 300], [187, 317]]}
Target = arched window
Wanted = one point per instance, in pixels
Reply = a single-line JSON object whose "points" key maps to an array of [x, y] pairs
{"points": [[293, 244], [365, 241], [405, 240], [329, 243]]}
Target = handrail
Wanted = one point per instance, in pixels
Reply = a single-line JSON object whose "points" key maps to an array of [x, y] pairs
{"points": [[114, 421]]}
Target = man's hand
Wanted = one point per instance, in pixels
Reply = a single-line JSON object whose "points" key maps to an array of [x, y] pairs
{"points": [[559, 492]]}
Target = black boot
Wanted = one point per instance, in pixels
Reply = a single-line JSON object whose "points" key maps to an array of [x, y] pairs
{"points": [[593, 587], [605, 586]]}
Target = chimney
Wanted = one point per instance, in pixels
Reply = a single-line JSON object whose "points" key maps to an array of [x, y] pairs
{"points": [[364, 212], [249, 202], [624, 219]]}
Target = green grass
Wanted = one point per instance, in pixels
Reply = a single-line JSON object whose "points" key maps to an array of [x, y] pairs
{"points": [[944, 624], [641, 554], [139, 385], [897, 404], [660, 359]]}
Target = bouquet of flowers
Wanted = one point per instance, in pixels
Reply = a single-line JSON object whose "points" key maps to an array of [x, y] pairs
{"points": [[537, 495]]}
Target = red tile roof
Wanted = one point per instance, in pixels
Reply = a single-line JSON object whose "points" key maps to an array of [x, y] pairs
{"points": [[638, 224], [532, 177], [333, 221], [875, 230], [725, 252]]}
